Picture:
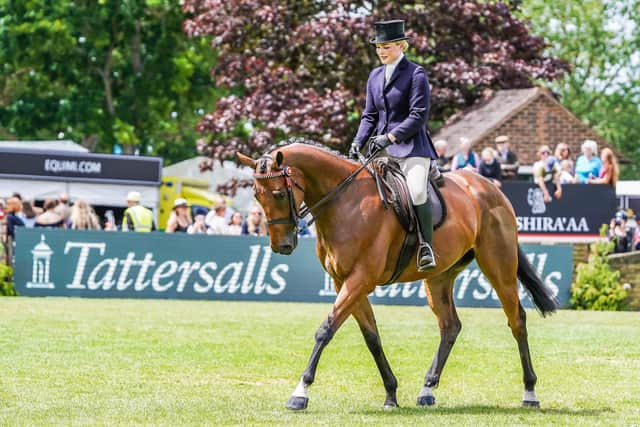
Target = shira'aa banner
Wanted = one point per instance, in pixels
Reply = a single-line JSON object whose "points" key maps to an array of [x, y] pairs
{"points": [[156, 265], [580, 212]]}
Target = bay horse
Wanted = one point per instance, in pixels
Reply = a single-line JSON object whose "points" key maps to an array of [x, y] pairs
{"points": [[358, 242]]}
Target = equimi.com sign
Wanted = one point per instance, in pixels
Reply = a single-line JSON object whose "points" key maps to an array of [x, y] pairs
{"points": [[156, 265]]}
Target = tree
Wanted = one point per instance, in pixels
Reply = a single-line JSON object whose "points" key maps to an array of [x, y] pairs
{"points": [[300, 67], [601, 40], [103, 73]]}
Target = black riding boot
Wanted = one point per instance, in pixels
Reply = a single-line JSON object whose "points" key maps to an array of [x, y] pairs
{"points": [[426, 258]]}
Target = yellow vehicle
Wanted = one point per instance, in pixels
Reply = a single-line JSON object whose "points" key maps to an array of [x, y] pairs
{"points": [[195, 191]]}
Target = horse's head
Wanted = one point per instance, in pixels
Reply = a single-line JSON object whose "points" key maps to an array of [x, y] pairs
{"points": [[277, 188]]}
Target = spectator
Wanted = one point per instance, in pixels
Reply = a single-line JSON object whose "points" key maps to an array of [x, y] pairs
{"points": [[547, 171], [588, 165], [13, 220], [620, 234], [62, 208], [180, 219], [50, 218], [28, 214], [562, 153], [609, 171], [255, 225], [198, 226], [82, 217], [636, 239], [631, 219], [136, 217], [508, 160], [215, 219], [443, 162], [235, 224], [465, 159], [490, 167], [566, 175], [110, 221]]}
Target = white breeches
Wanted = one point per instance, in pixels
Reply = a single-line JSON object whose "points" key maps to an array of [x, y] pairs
{"points": [[416, 172]]}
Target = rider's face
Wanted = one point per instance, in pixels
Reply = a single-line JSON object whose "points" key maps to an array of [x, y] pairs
{"points": [[389, 52]]}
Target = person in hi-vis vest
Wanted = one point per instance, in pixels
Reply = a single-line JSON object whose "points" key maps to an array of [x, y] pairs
{"points": [[137, 217]]}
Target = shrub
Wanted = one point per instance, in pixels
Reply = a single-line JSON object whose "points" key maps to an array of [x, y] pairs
{"points": [[6, 280], [597, 287]]}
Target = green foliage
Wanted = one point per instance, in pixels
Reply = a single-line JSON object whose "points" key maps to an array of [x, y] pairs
{"points": [[6, 280], [597, 287], [601, 40], [103, 73]]}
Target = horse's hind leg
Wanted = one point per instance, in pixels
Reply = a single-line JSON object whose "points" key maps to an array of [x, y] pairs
{"points": [[440, 295], [501, 270], [363, 313]]}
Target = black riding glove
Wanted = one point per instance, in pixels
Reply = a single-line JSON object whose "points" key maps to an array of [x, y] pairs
{"points": [[354, 151], [380, 142]]}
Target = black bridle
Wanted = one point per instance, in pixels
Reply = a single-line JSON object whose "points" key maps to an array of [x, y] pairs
{"points": [[294, 215]]}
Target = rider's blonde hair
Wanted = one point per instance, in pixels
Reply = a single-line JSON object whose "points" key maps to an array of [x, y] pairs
{"points": [[404, 44]]}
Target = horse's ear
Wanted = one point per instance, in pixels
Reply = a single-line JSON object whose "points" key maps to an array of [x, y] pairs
{"points": [[279, 158], [245, 160]]}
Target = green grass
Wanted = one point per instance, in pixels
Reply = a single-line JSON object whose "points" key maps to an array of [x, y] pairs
{"points": [[127, 362]]}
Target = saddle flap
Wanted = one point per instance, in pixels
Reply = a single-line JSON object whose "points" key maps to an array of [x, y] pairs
{"points": [[393, 191]]}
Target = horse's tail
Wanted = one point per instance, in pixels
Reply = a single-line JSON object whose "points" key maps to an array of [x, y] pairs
{"points": [[541, 295]]}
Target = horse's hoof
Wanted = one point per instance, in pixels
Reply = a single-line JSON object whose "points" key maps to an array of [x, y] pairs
{"points": [[297, 403], [388, 406], [530, 404], [426, 400]]}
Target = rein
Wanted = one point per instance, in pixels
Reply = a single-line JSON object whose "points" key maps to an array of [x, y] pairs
{"points": [[295, 216]]}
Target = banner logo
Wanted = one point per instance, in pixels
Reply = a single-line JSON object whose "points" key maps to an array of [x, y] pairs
{"points": [[535, 198], [41, 266]]}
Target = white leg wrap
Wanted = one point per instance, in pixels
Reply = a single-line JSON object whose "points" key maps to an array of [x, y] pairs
{"points": [[530, 396], [301, 390], [426, 391]]}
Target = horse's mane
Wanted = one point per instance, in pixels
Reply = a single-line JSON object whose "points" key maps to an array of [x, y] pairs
{"points": [[299, 140]]}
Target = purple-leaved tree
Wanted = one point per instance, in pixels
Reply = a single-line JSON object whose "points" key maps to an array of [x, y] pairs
{"points": [[299, 67]]}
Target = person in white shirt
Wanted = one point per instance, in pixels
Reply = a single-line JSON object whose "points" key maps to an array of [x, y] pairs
{"points": [[215, 220]]}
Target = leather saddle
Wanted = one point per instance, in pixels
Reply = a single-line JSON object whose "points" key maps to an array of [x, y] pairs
{"points": [[394, 193]]}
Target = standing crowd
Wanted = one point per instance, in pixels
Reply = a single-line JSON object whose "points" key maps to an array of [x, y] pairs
{"points": [[54, 213], [80, 215], [220, 220], [556, 167], [495, 164]]}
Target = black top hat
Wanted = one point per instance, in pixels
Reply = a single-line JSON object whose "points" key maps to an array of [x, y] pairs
{"points": [[389, 31]]}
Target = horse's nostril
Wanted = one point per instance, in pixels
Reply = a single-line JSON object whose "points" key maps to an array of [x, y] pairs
{"points": [[286, 249]]}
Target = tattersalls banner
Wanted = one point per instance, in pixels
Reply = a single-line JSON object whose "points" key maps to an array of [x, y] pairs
{"points": [[156, 265], [580, 212]]}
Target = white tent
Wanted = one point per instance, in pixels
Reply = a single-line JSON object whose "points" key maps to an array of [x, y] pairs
{"points": [[628, 188], [59, 145]]}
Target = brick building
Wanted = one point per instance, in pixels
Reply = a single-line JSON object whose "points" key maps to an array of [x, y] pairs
{"points": [[530, 117]]}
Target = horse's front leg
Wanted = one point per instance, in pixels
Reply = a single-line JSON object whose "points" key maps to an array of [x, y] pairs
{"points": [[348, 296]]}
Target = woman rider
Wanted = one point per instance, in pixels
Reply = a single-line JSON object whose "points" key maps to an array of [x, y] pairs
{"points": [[396, 113]]}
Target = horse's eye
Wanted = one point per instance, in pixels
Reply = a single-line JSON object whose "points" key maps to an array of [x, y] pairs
{"points": [[278, 194]]}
